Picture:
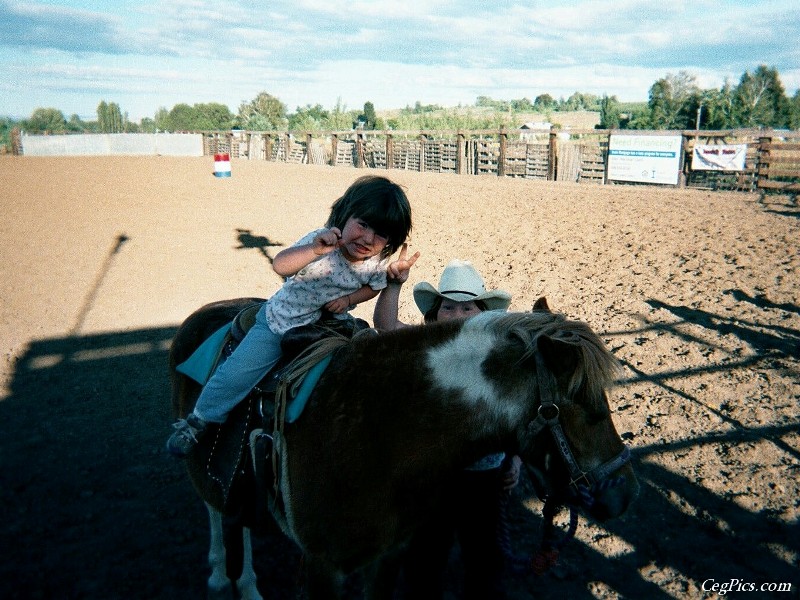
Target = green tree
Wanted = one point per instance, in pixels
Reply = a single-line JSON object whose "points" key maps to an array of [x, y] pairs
{"points": [[212, 116], [522, 105], [309, 118], [610, 113], [265, 112], [340, 119], [580, 101], [182, 117], [75, 124], [544, 102], [161, 119], [673, 101], [147, 125], [6, 125], [110, 118], [717, 108], [367, 119], [760, 99], [794, 111], [45, 120]]}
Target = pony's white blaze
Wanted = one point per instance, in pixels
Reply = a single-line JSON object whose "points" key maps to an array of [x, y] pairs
{"points": [[456, 365]]}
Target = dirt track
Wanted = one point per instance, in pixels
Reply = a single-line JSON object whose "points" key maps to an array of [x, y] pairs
{"points": [[101, 258]]}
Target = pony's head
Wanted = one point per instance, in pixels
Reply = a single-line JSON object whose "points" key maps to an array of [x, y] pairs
{"points": [[569, 443]]}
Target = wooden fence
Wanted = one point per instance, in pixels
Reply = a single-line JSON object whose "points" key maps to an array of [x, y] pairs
{"points": [[772, 161]]}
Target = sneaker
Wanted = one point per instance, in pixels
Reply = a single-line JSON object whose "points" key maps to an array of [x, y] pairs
{"points": [[187, 432]]}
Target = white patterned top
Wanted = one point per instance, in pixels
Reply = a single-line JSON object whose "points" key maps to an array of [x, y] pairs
{"points": [[331, 276]]}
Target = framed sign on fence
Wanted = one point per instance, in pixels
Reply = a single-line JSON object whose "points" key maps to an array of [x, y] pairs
{"points": [[644, 158]]}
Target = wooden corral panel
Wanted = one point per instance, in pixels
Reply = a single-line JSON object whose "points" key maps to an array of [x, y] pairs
{"points": [[375, 154], [440, 156], [568, 165], [406, 155], [346, 153], [536, 160], [517, 159], [593, 162], [779, 165], [486, 156], [318, 155]]}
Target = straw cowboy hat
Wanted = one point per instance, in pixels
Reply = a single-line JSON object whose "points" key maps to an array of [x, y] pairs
{"points": [[460, 282]]}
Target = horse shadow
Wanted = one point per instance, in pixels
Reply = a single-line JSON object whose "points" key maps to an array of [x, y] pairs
{"points": [[247, 240]]}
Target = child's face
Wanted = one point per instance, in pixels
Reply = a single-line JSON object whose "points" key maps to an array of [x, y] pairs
{"points": [[451, 310], [359, 240]]}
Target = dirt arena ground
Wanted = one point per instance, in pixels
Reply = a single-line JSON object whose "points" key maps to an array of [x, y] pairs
{"points": [[101, 258]]}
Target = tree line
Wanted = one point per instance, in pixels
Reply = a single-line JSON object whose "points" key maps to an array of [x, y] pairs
{"points": [[674, 102]]}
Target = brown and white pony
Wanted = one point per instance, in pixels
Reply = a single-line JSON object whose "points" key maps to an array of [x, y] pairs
{"points": [[395, 414]]}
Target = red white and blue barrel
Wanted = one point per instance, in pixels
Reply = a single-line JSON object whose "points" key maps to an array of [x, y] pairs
{"points": [[222, 165]]}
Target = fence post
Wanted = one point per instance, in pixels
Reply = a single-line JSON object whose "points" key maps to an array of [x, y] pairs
{"points": [[334, 148], [389, 151], [459, 152], [16, 142], [360, 150], [552, 155], [267, 146], [501, 156], [422, 139], [288, 139], [683, 168], [762, 168], [605, 157], [308, 148]]}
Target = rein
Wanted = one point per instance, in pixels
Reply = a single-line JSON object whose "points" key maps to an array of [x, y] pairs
{"points": [[586, 486]]}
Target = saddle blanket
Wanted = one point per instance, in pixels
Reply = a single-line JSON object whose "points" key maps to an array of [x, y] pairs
{"points": [[201, 363]]}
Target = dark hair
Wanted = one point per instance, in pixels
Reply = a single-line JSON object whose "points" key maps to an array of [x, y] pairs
{"points": [[380, 203], [433, 312]]}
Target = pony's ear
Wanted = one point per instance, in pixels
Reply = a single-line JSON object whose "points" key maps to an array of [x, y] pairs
{"points": [[560, 356], [541, 304]]}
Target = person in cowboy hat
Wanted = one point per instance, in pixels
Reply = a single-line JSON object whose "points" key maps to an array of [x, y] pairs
{"points": [[461, 294], [473, 510]]}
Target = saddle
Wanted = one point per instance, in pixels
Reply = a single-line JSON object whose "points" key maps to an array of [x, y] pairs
{"points": [[251, 423]]}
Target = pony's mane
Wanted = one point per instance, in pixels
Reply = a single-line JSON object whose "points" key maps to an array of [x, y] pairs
{"points": [[597, 368]]}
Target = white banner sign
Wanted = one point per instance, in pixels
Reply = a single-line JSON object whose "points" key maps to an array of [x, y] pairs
{"points": [[644, 158], [719, 157]]}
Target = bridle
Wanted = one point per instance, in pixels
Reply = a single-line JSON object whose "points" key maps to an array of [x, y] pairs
{"points": [[585, 485]]}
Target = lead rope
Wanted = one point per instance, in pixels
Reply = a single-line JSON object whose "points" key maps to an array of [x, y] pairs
{"points": [[547, 555]]}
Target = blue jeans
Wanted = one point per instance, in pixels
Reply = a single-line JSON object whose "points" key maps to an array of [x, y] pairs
{"points": [[256, 354]]}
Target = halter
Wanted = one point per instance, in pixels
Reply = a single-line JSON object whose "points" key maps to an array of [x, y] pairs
{"points": [[585, 485]]}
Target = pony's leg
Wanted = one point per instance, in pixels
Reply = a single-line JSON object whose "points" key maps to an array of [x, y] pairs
{"points": [[219, 586]]}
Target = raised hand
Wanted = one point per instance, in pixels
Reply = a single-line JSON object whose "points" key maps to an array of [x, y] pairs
{"points": [[398, 270], [327, 241]]}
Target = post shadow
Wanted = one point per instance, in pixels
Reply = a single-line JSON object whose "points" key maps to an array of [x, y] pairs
{"points": [[784, 340]]}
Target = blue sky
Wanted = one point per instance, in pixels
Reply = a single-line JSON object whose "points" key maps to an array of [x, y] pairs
{"points": [[71, 54]]}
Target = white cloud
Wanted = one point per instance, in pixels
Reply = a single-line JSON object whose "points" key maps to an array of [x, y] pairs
{"points": [[390, 53]]}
